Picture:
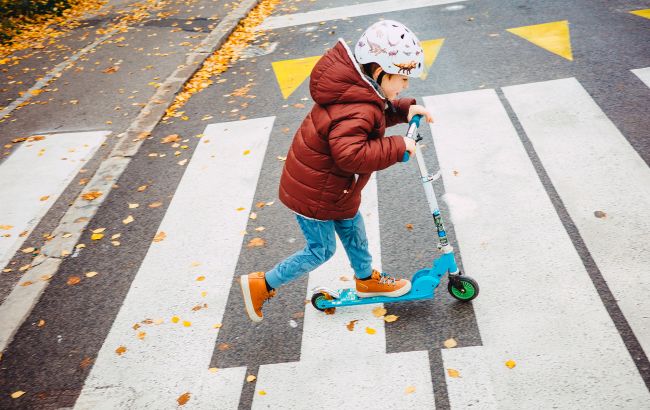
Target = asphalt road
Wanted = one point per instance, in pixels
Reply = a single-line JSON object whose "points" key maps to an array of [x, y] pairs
{"points": [[478, 54]]}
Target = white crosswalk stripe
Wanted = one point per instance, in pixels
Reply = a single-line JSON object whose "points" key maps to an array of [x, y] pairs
{"points": [[643, 74], [595, 169], [33, 177], [536, 294], [173, 359]]}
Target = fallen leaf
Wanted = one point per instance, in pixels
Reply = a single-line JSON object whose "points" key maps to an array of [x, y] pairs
{"points": [[28, 250], [256, 242], [370, 331], [160, 236], [132, 206], [116, 236], [44, 198], [344, 278], [217, 326], [87, 361], [120, 350], [90, 274], [128, 220], [260, 228], [183, 162], [223, 346], [5, 227], [350, 325], [213, 370], [98, 230], [89, 196], [253, 216], [73, 280], [183, 399], [111, 70], [41, 323], [26, 283], [142, 188], [409, 227], [453, 373], [450, 343], [390, 318], [187, 323], [247, 152], [299, 105], [260, 204], [96, 236], [17, 394], [281, 158], [200, 278], [455, 173], [510, 364], [141, 335], [250, 378], [409, 390], [600, 214], [155, 204], [175, 319], [379, 311], [262, 393]]}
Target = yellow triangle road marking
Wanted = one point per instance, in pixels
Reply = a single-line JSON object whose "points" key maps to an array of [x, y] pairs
{"points": [[431, 49], [553, 37], [643, 13], [291, 73]]}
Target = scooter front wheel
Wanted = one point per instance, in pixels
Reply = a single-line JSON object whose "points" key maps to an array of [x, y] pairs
{"points": [[463, 288]]}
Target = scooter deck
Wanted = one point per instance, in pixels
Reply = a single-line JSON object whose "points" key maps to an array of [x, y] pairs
{"points": [[423, 286]]}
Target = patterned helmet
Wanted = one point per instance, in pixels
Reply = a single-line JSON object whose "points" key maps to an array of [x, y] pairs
{"points": [[393, 46]]}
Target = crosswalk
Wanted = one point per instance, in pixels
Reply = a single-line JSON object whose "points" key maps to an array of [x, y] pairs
{"points": [[539, 306]]}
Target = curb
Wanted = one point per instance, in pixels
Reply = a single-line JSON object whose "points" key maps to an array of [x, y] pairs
{"points": [[20, 302]]}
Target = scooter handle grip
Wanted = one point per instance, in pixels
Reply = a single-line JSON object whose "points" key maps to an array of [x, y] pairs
{"points": [[415, 120]]}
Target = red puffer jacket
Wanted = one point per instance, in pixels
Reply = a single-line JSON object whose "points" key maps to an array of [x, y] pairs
{"points": [[341, 141]]}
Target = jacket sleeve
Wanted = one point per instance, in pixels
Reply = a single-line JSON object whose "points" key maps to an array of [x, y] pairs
{"points": [[352, 151], [401, 113]]}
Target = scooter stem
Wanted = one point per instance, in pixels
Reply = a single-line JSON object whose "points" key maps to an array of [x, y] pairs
{"points": [[427, 182]]}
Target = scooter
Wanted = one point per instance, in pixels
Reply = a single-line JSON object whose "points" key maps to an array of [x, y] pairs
{"points": [[425, 281]]}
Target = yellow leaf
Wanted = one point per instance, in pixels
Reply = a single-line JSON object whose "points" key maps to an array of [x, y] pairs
{"points": [[96, 236], [370, 331], [213, 370], [17, 394], [26, 283], [128, 220], [217, 326], [256, 242], [240, 209], [390, 318], [183, 399], [115, 243], [44, 198], [120, 350], [510, 364], [253, 216], [183, 162], [250, 378], [247, 152], [175, 319], [28, 250], [204, 294], [5, 227], [409, 390], [187, 323], [379, 311], [141, 335], [160, 236], [155, 204], [453, 373], [90, 274], [260, 228], [450, 343], [116, 236], [98, 230], [89, 196], [262, 393], [131, 206], [142, 188]]}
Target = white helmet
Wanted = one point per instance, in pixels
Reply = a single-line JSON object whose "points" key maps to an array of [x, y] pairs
{"points": [[393, 46]]}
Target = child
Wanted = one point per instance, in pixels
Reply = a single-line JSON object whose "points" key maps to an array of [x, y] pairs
{"points": [[334, 152]]}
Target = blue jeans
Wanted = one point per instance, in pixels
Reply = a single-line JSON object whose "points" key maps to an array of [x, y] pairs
{"points": [[321, 244]]}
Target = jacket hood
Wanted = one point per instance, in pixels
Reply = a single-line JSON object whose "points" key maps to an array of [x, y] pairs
{"points": [[337, 78]]}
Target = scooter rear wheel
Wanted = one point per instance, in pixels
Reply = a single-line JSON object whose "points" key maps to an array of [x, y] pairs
{"points": [[465, 288], [320, 297]]}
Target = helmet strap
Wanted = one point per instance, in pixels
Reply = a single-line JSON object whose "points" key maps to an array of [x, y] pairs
{"points": [[380, 77]]}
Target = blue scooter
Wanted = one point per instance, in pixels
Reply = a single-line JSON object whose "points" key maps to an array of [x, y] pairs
{"points": [[425, 281]]}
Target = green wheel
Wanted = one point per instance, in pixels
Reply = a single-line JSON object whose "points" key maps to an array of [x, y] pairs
{"points": [[462, 288]]}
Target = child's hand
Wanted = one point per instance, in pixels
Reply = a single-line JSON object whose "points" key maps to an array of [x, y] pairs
{"points": [[410, 145], [418, 109]]}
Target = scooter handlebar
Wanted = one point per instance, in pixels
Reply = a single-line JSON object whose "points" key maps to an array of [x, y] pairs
{"points": [[410, 134]]}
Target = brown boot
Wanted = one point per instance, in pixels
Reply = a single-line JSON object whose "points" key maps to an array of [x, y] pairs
{"points": [[253, 288], [382, 284]]}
